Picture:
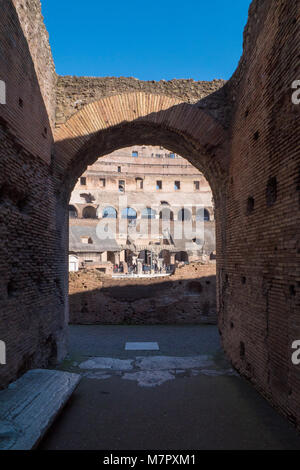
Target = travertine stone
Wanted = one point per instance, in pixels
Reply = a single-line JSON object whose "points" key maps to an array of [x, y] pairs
{"points": [[29, 406]]}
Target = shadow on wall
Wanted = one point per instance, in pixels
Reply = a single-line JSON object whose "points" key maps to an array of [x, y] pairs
{"points": [[204, 146], [182, 301], [32, 293]]}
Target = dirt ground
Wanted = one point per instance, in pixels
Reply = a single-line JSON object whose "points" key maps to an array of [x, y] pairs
{"points": [[187, 296]]}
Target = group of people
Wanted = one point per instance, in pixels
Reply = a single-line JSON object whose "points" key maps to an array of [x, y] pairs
{"points": [[119, 268], [146, 268]]}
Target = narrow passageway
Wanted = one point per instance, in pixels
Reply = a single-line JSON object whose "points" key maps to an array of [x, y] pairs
{"points": [[183, 396]]}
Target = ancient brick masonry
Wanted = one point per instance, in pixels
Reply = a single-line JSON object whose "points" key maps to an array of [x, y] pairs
{"points": [[32, 293], [73, 93], [187, 297], [260, 255], [244, 137], [31, 21]]}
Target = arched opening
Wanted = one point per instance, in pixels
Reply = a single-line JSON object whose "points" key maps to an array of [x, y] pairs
{"points": [[167, 300], [182, 256], [89, 212], [144, 249], [166, 256], [139, 183], [166, 214], [148, 213], [203, 215], [145, 256], [111, 257], [130, 257], [73, 214], [129, 213], [162, 252], [184, 215], [109, 212]]}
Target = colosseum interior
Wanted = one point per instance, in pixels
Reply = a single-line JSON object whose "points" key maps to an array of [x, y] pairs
{"points": [[140, 214], [241, 135]]}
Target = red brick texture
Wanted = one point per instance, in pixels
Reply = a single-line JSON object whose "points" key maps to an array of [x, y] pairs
{"points": [[259, 257], [243, 135], [130, 118], [32, 296]]}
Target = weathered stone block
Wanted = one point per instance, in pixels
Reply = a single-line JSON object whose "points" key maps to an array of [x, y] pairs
{"points": [[29, 406]]}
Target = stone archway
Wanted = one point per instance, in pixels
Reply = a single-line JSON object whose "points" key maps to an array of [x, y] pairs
{"points": [[73, 213], [182, 256], [184, 215], [89, 212], [126, 119], [140, 118]]}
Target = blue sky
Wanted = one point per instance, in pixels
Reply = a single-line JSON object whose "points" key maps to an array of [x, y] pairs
{"points": [[149, 40]]}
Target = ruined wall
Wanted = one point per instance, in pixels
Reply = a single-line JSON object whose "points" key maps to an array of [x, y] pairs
{"points": [[31, 296], [187, 297], [259, 264], [34, 30], [73, 93]]}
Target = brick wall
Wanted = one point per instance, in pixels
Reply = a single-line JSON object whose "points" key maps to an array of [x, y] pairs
{"points": [[32, 304], [34, 30], [259, 263]]}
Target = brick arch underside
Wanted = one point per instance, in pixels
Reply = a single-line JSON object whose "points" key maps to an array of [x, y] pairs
{"points": [[141, 119]]}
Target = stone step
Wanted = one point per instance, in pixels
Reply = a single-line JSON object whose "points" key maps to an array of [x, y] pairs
{"points": [[29, 406]]}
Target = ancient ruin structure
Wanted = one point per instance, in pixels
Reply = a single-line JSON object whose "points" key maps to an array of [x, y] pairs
{"points": [[186, 297], [243, 135], [140, 206]]}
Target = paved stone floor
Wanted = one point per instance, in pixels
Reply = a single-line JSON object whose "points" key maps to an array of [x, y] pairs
{"points": [[184, 396]]}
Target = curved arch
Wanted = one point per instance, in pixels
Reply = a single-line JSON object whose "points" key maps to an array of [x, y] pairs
{"points": [[129, 213], [145, 255], [148, 213], [203, 214], [184, 214], [136, 118], [166, 256], [109, 212], [73, 213], [166, 214], [139, 182], [89, 212], [182, 256]]}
